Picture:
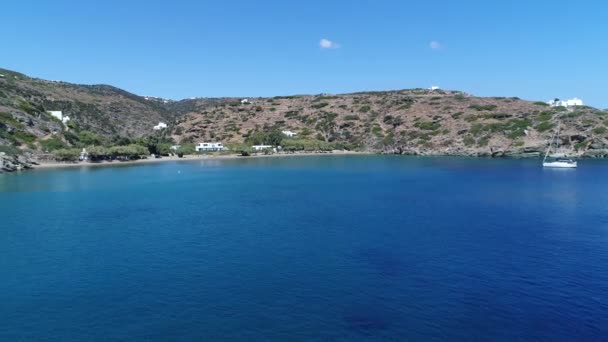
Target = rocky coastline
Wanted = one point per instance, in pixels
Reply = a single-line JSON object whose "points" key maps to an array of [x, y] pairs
{"points": [[11, 163]]}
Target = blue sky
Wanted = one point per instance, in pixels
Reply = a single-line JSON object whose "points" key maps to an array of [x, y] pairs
{"points": [[178, 49]]}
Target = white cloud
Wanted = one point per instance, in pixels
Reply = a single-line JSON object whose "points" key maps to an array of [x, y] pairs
{"points": [[328, 44], [435, 45]]}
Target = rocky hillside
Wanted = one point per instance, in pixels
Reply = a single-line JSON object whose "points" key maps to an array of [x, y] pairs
{"points": [[415, 121], [103, 109]]}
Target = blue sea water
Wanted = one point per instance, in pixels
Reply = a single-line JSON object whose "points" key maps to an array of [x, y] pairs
{"points": [[341, 248]]}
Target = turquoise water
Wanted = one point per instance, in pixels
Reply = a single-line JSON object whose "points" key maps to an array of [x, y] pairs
{"points": [[306, 248]]}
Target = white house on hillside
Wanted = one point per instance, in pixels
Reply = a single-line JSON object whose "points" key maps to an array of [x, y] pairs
{"points": [[244, 101], [209, 146], [289, 133], [59, 116], [161, 125], [261, 147], [567, 103], [434, 88]]}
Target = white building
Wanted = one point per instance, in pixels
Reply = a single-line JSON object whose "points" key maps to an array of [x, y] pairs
{"points": [[59, 116], [161, 125], [567, 103], [83, 155], [289, 133], [209, 146], [176, 147], [244, 101], [434, 88], [260, 147]]}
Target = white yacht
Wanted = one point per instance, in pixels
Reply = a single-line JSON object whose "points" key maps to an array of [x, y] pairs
{"points": [[560, 163], [557, 160]]}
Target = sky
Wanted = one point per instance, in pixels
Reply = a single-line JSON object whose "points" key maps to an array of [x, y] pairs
{"points": [[533, 49]]}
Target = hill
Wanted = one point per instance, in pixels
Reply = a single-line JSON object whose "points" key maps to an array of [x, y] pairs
{"points": [[413, 121]]}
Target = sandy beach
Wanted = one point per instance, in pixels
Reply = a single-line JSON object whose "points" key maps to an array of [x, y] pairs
{"points": [[49, 165]]}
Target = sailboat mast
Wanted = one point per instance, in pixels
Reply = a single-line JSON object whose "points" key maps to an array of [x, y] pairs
{"points": [[552, 140]]}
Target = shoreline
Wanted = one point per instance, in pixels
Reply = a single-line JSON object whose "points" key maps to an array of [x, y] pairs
{"points": [[60, 165]]}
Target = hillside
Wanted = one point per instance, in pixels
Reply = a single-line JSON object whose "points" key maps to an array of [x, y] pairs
{"points": [[415, 121], [105, 110]]}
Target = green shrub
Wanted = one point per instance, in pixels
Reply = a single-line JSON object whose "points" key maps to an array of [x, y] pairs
{"points": [[484, 141], [319, 105], [307, 145], [560, 109], [351, 118], [428, 125], [10, 150], [132, 151], [67, 154], [545, 116], [87, 138], [497, 116], [460, 97], [542, 104], [479, 107], [599, 130], [98, 152], [468, 140], [185, 149], [544, 126], [365, 109], [24, 137], [52, 144], [580, 145], [27, 107]]}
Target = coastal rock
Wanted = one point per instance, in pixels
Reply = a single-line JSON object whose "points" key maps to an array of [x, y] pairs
{"points": [[533, 149], [577, 138], [522, 154], [498, 154], [14, 163], [598, 145], [596, 153]]}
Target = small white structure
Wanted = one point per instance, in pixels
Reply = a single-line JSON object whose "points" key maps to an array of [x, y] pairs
{"points": [[289, 133], [209, 146], [161, 125], [244, 101], [175, 147], [59, 116], [567, 103], [2, 76], [260, 147], [83, 155], [434, 88]]}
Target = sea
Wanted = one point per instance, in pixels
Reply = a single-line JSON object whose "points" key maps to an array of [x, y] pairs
{"points": [[315, 248]]}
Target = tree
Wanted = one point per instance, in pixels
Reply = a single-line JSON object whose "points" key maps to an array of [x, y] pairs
{"points": [[52, 144], [185, 150], [327, 125], [89, 138], [272, 137], [98, 152], [67, 154]]}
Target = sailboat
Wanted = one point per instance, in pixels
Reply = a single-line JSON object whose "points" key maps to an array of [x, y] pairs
{"points": [[557, 160]]}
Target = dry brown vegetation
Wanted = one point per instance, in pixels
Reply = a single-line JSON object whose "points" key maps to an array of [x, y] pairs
{"points": [[415, 121]]}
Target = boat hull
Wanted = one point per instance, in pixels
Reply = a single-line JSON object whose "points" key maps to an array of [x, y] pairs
{"points": [[560, 165]]}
